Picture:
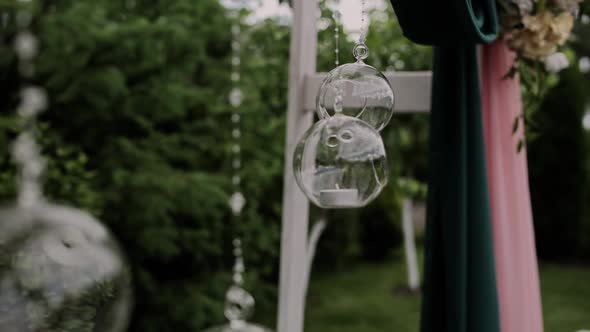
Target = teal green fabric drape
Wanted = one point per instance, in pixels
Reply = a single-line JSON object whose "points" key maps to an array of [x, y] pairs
{"points": [[459, 282]]}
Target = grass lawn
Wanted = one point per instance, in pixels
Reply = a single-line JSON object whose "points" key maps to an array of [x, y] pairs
{"points": [[362, 298]]}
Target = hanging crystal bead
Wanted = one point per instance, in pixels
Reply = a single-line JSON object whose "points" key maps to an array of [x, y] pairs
{"points": [[26, 45], [237, 203], [34, 100], [236, 97]]}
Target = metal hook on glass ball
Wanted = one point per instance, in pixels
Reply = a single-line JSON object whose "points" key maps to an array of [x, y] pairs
{"points": [[360, 52]]}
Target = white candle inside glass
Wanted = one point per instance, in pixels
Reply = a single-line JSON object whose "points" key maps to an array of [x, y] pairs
{"points": [[338, 197]]}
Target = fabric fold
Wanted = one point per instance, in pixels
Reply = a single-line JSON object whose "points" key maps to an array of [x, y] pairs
{"points": [[457, 22], [459, 279], [514, 242]]}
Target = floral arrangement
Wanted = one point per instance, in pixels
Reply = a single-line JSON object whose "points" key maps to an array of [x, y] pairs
{"points": [[537, 31]]}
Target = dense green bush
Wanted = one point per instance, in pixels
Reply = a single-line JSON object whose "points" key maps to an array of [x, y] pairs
{"points": [[581, 45], [135, 133], [557, 168], [559, 163]]}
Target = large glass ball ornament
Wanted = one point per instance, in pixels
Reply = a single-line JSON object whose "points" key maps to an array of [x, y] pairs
{"points": [[341, 163], [60, 270], [357, 90]]}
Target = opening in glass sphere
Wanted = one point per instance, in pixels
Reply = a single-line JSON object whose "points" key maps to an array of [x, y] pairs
{"points": [[357, 90], [341, 163], [60, 270]]}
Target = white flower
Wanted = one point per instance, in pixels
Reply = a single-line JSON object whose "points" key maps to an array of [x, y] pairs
{"points": [[584, 65], [525, 6], [572, 6], [556, 62]]}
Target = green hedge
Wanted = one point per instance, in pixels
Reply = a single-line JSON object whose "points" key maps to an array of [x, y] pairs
{"points": [[557, 171]]}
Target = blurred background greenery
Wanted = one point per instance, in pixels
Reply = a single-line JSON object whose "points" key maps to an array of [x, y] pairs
{"points": [[137, 133]]}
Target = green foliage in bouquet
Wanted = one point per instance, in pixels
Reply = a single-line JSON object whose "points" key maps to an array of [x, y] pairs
{"points": [[538, 32]]}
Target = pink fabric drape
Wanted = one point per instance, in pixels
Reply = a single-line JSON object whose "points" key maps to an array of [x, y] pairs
{"points": [[514, 242]]}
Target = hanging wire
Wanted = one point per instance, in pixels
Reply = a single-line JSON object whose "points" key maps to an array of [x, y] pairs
{"points": [[363, 36], [361, 51], [337, 15]]}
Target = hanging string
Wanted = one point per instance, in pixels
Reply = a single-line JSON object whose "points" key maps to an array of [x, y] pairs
{"points": [[33, 100], [337, 15], [364, 28], [361, 51]]}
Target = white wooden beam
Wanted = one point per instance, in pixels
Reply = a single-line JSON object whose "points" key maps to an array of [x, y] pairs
{"points": [[294, 253], [412, 90]]}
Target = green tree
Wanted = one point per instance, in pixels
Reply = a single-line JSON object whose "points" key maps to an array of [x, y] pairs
{"points": [[138, 103]]}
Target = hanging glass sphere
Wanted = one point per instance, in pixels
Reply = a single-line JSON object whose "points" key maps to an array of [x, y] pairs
{"points": [[358, 90], [60, 270], [241, 326], [340, 163]]}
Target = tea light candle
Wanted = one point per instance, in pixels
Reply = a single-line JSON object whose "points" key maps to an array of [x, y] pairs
{"points": [[339, 197]]}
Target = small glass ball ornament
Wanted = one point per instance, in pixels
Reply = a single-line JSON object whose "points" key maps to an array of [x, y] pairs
{"points": [[239, 306], [357, 90], [341, 163], [60, 270]]}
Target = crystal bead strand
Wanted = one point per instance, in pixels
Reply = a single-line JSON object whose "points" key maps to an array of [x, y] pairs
{"points": [[239, 304], [236, 97], [33, 100]]}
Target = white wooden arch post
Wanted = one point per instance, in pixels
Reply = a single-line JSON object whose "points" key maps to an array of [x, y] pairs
{"points": [[412, 90]]}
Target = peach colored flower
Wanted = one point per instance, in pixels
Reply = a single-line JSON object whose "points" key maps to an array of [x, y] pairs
{"points": [[542, 34]]}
